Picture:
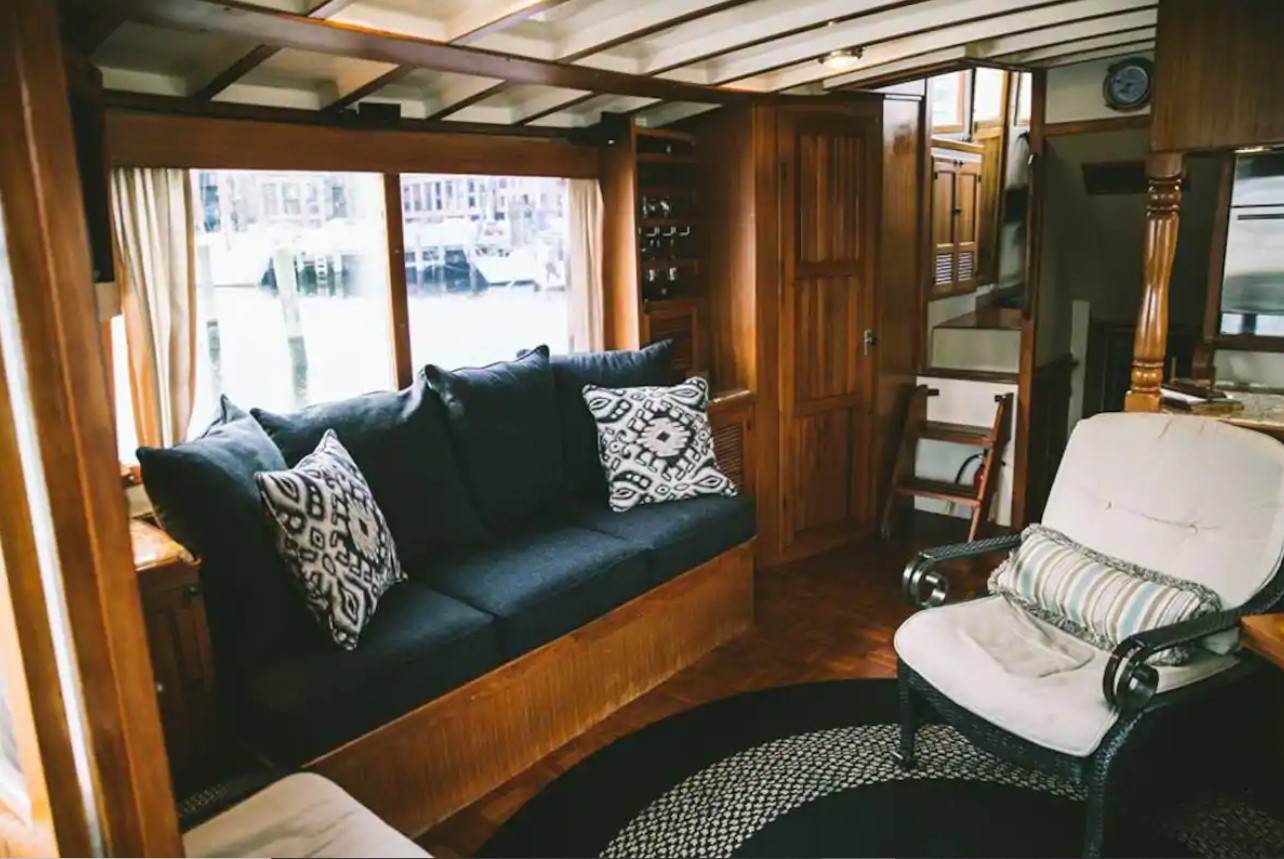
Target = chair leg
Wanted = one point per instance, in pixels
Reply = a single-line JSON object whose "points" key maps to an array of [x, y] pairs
{"points": [[1094, 824], [904, 753]]}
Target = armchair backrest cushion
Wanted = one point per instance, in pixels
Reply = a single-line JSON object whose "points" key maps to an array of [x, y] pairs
{"points": [[1191, 497]]}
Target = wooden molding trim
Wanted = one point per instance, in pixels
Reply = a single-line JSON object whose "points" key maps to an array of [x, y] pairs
{"points": [[1096, 126], [433, 761], [159, 140]]}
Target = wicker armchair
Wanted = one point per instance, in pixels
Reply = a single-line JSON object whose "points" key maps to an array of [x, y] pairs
{"points": [[1192, 498]]}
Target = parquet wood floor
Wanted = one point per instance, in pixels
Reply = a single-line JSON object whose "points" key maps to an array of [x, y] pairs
{"points": [[825, 618]]}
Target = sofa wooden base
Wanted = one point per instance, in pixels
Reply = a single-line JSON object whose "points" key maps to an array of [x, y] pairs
{"points": [[433, 761]]}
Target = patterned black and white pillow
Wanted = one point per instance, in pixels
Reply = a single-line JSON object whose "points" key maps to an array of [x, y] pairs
{"points": [[332, 537], [656, 444]]}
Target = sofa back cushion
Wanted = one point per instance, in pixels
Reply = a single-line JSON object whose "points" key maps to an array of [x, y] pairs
{"points": [[503, 422], [582, 475], [400, 442], [205, 496], [1190, 497]]}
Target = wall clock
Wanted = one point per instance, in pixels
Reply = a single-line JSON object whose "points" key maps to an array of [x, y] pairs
{"points": [[1129, 84]]}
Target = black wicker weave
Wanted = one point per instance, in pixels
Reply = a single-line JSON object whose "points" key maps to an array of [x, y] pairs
{"points": [[1129, 685]]}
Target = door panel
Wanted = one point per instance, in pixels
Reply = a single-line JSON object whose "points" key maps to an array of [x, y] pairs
{"points": [[943, 185], [829, 169]]}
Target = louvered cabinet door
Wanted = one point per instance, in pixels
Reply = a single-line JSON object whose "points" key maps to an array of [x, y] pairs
{"points": [[829, 177], [944, 176], [677, 320], [967, 226]]}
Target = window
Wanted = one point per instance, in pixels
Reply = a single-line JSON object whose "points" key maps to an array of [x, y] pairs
{"points": [[293, 311], [271, 205], [987, 96], [484, 282], [1024, 99], [122, 385], [949, 93]]}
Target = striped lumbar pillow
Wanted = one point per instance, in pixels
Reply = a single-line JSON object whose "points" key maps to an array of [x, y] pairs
{"points": [[1094, 597]]}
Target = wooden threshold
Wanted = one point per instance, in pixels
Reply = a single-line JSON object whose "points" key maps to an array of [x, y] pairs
{"points": [[433, 761]]}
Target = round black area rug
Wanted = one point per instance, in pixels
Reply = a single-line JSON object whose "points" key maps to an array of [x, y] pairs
{"points": [[806, 771]]}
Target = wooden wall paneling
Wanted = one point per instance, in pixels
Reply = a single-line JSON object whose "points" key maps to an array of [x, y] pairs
{"points": [[1165, 170], [993, 164], [435, 760], [768, 283], [1217, 73], [828, 192], [620, 285], [160, 140], [399, 307], [728, 252], [63, 482], [897, 311], [1030, 299]]}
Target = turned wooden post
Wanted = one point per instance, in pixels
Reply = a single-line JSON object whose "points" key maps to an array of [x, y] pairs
{"points": [[1163, 214]]}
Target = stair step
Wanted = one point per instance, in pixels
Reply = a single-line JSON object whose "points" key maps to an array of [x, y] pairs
{"points": [[943, 490], [960, 433]]}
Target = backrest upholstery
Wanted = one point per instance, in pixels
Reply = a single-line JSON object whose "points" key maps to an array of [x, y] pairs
{"points": [[1191, 497]]}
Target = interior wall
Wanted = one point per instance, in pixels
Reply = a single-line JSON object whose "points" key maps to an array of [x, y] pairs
{"points": [[1075, 91], [1093, 245]]}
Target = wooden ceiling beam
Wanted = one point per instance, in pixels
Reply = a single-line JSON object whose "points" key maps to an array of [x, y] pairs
{"points": [[260, 54], [241, 20], [581, 51]]}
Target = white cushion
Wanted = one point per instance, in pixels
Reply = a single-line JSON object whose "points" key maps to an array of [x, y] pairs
{"points": [[1024, 675], [300, 815], [1191, 497]]}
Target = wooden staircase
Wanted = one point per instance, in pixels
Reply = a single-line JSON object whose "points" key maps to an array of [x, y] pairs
{"points": [[977, 495]]}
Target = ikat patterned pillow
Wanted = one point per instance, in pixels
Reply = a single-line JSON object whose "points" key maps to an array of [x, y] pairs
{"points": [[332, 537], [655, 443]]}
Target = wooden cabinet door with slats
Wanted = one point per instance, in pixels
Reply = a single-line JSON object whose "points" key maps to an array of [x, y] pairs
{"points": [[829, 180], [944, 174]]}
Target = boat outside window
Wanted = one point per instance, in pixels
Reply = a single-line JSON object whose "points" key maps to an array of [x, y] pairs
{"points": [[487, 276]]}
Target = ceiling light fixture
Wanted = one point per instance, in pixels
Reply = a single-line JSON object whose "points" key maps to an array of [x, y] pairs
{"points": [[842, 60]]}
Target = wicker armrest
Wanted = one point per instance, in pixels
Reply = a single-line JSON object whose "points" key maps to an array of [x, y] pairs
{"points": [[920, 570], [1129, 682]]}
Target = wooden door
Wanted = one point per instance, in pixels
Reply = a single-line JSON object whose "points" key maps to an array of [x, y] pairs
{"points": [[830, 167]]}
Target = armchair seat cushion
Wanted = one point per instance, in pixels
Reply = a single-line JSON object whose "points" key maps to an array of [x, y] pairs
{"points": [[1024, 675]]}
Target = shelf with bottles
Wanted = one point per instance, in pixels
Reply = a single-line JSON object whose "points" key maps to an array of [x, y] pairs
{"points": [[671, 278]]}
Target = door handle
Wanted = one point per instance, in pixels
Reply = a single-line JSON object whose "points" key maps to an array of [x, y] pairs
{"points": [[869, 341]]}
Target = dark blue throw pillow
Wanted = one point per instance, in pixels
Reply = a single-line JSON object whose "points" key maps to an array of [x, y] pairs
{"points": [[581, 466], [205, 496], [400, 442], [503, 421]]}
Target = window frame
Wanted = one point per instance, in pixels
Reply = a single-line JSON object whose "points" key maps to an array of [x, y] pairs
{"points": [[965, 79]]}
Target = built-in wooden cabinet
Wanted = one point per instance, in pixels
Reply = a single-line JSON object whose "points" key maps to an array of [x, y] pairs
{"points": [[956, 216], [653, 275], [793, 200]]}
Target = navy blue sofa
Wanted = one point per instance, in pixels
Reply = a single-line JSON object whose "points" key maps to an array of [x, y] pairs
{"points": [[490, 481]]}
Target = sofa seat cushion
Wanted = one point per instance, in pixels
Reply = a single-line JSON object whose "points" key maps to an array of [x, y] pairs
{"points": [[679, 535], [301, 815], [542, 584], [1023, 675], [400, 442], [421, 644]]}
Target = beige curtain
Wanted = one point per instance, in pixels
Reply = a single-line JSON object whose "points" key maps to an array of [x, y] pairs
{"points": [[584, 265], [156, 250]]}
